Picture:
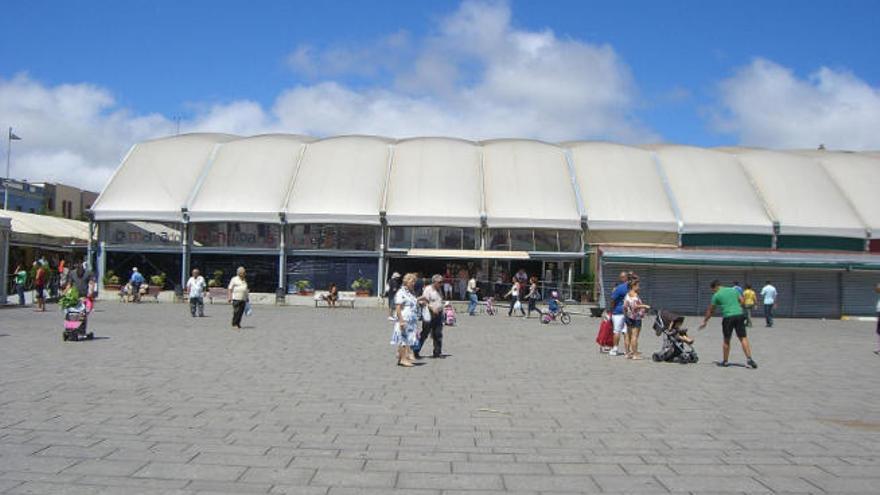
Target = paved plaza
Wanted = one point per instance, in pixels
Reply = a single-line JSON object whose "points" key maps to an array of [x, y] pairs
{"points": [[310, 401]]}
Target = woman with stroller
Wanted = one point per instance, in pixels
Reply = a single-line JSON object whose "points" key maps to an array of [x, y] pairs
{"points": [[406, 311], [634, 311]]}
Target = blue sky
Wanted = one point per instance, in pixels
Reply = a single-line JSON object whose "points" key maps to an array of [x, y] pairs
{"points": [[702, 73]]}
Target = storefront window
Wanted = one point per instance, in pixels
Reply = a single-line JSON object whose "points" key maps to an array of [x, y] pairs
{"points": [[321, 271], [545, 240], [333, 236], [564, 241], [142, 234], [434, 238], [570, 241], [236, 234], [522, 240]]}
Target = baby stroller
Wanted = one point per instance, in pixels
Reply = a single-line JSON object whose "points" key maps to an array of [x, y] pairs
{"points": [[675, 345], [449, 314], [490, 306], [76, 319]]}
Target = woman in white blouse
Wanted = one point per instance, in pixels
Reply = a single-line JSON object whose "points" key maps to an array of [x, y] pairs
{"points": [[238, 296]]}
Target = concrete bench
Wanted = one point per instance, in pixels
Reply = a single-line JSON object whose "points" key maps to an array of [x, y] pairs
{"points": [[345, 297]]}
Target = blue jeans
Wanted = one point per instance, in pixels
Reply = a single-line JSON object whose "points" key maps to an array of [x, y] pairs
{"points": [[19, 288], [768, 314], [472, 305]]}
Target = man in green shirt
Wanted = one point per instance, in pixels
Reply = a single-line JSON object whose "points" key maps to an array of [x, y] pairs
{"points": [[731, 303]]}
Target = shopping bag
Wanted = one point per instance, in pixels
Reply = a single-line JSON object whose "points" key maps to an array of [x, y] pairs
{"points": [[426, 314], [248, 310], [517, 306]]}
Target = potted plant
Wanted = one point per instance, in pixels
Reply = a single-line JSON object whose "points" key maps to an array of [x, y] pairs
{"points": [[362, 286], [158, 281], [304, 287], [111, 281], [215, 286]]}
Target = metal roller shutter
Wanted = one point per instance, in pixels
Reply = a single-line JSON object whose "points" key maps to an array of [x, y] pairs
{"points": [[707, 275], [674, 289], [816, 294], [858, 295], [783, 281], [610, 271]]}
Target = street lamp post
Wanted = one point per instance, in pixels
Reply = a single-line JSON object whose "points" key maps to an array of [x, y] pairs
{"points": [[9, 139]]}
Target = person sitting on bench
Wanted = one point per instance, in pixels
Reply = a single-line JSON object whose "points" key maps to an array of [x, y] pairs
{"points": [[331, 296]]}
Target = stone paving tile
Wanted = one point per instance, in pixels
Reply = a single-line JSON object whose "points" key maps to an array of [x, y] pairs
{"points": [[268, 410], [166, 470]]}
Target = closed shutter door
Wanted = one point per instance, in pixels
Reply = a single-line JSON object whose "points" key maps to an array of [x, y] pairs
{"points": [[705, 278], [611, 271], [674, 289], [858, 295], [816, 294], [783, 281]]}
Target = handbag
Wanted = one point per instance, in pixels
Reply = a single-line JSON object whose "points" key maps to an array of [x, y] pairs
{"points": [[426, 314]]}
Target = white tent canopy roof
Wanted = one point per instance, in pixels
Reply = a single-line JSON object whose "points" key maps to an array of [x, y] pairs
{"points": [[528, 184], [247, 180], [57, 230], [340, 180], [156, 178], [712, 191], [435, 182], [800, 194], [858, 176], [621, 188]]}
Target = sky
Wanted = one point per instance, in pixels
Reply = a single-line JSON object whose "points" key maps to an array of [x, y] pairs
{"points": [[81, 82]]}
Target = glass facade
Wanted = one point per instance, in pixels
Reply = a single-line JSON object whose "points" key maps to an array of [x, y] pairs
{"points": [[261, 270], [544, 240], [321, 271], [236, 234], [456, 238], [332, 236]]}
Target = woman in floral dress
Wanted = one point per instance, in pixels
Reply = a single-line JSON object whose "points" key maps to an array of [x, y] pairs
{"points": [[407, 312]]}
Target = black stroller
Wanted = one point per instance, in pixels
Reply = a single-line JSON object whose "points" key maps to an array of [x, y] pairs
{"points": [[675, 344]]}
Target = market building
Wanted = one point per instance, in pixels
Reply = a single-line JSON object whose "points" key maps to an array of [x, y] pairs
{"points": [[356, 208]]}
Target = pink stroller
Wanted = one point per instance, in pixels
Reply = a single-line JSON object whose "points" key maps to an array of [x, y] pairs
{"points": [[449, 315], [76, 321]]}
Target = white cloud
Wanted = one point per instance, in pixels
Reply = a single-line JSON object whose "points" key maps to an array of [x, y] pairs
{"points": [[476, 76], [71, 133], [766, 104]]}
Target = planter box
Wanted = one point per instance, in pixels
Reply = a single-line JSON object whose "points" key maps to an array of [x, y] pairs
{"points": [[216, 293], [362, 293], [112, 288]]}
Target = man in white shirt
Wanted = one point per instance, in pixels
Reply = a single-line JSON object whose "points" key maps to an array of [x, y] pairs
{"points": [[432, 297], [195, 286], [769, 294]]}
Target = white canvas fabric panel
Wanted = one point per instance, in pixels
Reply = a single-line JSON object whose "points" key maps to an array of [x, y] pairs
{"points": [[621, 188], [800, 194], [248, 180], [435, 182], [157, 177], [47, 226], [858, 176], [527, 184], [713, 192], [340, 180]]}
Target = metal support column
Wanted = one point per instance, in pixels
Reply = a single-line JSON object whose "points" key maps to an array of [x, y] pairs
{"points": [[281, 290], [382, 275], [186, 244], [90, 249], [100, 269]]}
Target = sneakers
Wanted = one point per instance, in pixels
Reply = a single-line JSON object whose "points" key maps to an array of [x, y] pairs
{"points": [[722, 364], [613, 352], [752, 364]]}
